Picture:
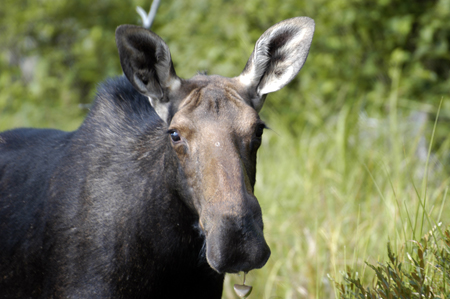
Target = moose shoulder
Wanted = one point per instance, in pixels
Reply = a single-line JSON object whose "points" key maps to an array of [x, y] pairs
{"points": [[153, 196]]}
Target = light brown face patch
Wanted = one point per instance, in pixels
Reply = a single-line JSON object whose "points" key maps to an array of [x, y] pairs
{"points": [[218, 144], [212, 106]]}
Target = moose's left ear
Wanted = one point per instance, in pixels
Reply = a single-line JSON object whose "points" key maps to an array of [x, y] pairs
{"points": [[278, 56], [147, 63]]}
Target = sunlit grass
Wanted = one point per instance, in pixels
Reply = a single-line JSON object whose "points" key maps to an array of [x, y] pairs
{"points": [[334, 195]]}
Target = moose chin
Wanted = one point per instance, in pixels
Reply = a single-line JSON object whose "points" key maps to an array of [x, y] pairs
{"points": [[153, 196]]}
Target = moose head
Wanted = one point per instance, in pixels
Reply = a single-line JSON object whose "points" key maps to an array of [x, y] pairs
{"points": [[215, 131]]}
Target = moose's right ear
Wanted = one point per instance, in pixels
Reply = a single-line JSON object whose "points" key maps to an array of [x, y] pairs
{"points": [[146, 62], [278, 56]]}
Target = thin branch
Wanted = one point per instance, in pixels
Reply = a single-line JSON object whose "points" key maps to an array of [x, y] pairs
{"points": [[147, 19]]}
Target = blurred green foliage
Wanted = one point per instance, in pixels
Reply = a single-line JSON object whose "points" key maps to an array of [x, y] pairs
{"points": [[54, 53]]}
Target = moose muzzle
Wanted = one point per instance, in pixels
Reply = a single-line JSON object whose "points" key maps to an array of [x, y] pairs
{"points": [[234, 234]]}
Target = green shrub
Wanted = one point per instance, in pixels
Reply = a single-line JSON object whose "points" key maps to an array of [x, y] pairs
{"points": [[422, 272]]}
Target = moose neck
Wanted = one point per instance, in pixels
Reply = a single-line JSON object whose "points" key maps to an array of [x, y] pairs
{"points": [[141, 146]]}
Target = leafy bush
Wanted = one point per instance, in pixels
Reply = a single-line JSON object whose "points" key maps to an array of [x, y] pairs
{"points": [[426, 273]]}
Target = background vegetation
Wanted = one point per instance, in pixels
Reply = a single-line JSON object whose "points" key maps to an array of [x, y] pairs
{"points": [[351, 161]]}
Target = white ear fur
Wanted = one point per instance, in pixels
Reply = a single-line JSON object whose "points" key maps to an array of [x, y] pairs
{"points": [[162, 108], [278, 56]]}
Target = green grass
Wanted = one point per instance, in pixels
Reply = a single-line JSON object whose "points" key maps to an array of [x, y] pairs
{"points": [[335, 194]]}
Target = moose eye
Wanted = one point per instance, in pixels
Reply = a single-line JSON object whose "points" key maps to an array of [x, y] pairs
{"points": [[174, 135], [260, 131]]}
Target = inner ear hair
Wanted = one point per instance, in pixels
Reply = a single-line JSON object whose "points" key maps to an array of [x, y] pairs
{"points": [[278, 56]]}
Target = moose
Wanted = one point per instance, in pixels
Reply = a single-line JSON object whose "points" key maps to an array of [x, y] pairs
{"points": [[153, 195]]}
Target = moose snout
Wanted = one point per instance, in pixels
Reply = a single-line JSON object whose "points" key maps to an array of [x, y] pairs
{"points": [[236, 244]]}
